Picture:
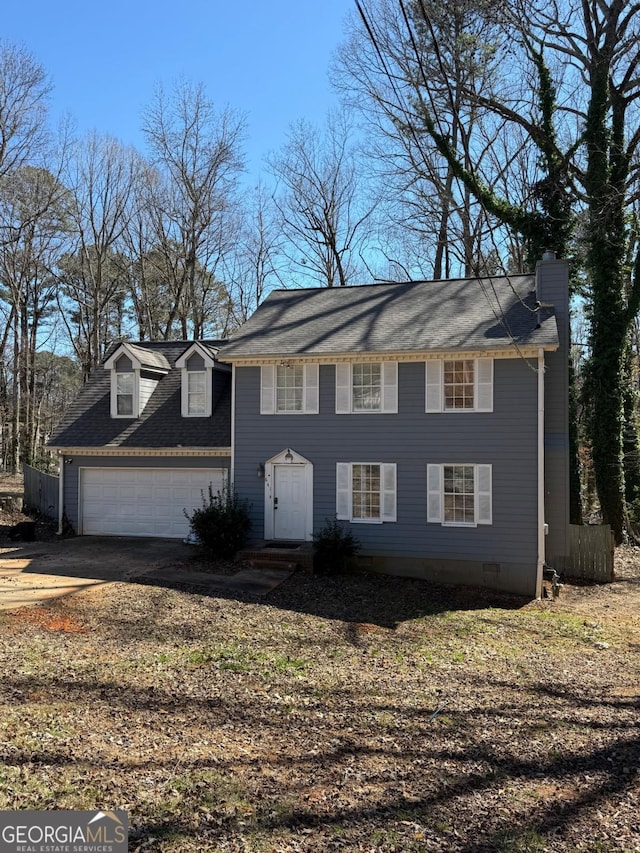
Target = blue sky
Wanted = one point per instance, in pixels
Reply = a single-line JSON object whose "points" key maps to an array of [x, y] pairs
{"points": [[267, 59]]}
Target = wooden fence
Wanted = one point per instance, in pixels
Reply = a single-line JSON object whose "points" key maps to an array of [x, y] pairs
{"points": [[41, 492], [591, 550]]}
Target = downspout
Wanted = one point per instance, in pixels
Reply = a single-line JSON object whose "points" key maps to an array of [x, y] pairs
{"points": [[541, 524], [60, 492], [232, 472]]}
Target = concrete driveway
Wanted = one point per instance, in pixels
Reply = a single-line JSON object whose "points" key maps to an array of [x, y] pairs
{"points": [[34, 572]]}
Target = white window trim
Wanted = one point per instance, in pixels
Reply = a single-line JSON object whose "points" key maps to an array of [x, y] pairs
{"points": [[136, 394], [482, 385], [207, 391], [435, 494], [269, 391], [344, 492], [389, 389]]}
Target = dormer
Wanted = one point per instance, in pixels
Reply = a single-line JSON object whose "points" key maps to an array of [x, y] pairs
{"points": [[196, 365], [135, 373]]}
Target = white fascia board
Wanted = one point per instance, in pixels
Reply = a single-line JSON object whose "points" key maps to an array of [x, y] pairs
{"points": [[200, 350], [528, 351], [122, 349]]}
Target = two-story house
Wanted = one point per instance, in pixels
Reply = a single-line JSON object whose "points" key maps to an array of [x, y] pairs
{"points": [[432, 417]]}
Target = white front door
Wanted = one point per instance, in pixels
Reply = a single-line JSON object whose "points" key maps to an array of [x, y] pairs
{"points": [[289, 501]]}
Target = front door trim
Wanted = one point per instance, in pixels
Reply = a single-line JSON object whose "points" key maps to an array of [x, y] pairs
{"points": [[288, 456]]}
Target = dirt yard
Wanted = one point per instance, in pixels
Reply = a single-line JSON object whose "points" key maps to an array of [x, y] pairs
{"points": [[355, 714]]}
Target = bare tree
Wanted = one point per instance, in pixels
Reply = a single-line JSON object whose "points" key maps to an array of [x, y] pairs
{"points": [[24, 90], [196, 152], [323, 211], [253, 268], [428, 208], [102, 177], [34, 222]]}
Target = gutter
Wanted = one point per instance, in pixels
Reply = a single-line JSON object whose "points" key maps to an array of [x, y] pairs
{"points": [[232, 472], [541, 524], [60, 492]]}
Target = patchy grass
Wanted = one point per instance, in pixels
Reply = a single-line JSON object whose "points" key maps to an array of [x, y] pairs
{"points": [[356, 714]]}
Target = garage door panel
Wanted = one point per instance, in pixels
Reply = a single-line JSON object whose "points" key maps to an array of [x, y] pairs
{"points": [[142, 501]]}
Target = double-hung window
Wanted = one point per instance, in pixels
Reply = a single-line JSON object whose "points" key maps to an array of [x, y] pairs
{"points": [[196, 393], [125, 387], [366, 491], [197, 371], [366, 387], [289, 389], [459, 385], [459, 495]]}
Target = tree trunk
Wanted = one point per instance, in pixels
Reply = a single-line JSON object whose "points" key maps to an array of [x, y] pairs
{"points": [[605, 182]]}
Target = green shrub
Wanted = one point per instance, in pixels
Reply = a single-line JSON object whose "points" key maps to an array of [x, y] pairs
{"points": [[222, 524], [333, 545]]}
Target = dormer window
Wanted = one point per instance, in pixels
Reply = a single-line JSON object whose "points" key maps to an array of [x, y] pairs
{"points": [[125, 386], [196, 393], [124, 393], [135, 373], [196, 365]]}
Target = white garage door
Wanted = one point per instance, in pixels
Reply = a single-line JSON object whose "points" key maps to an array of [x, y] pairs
{"points": [[143, 501]]}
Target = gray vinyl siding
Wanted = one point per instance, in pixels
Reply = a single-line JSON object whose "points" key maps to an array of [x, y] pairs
{"points": [[124, 364], [195, 362], [505, 438], [71, 470], [147, 387]]}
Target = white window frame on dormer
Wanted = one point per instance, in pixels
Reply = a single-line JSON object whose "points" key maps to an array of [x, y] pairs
{"points": [[135, 374], [205, 410], [186, 411], [347, 402], [482, 385], [183, 364], [272, 403]]}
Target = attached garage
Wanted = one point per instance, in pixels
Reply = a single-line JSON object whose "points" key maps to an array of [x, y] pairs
{"points": [[143, 501]]}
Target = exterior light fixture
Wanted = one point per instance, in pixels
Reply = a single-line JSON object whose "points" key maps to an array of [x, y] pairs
{"points": [[288, 457], [260, 471]]}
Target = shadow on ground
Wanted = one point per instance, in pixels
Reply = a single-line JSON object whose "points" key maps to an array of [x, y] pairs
{"points": [[356, 598]]}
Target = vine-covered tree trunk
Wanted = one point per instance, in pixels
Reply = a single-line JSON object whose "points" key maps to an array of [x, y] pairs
{"points": [[605, 184]]}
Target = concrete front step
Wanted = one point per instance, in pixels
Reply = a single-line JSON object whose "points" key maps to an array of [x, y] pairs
{"points": [[277, 558], [258, 563]]}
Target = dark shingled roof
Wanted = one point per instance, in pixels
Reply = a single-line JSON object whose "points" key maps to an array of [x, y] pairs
{"points": [[415, 316], [88, 421]]}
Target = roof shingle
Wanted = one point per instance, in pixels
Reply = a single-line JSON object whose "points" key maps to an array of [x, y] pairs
{"points": [[422, 316], [88, 421]]}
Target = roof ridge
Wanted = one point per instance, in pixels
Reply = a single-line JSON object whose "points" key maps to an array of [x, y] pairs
{"points": [[405, 282]]}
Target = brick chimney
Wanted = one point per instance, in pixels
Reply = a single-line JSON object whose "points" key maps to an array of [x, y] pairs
{"points": [[552, 288]]}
